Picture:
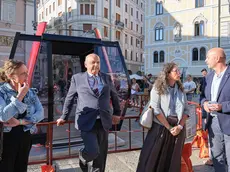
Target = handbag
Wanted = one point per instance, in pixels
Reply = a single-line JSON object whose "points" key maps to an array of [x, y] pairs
{"points": [[1, 140], [146, 119]]}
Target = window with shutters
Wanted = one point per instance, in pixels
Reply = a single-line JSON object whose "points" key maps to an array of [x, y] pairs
{"points": [[81, 9], [105, 31], [118, 17], [118, 3], [92, 9], [105, 12], [9, 9], [87, 27], [118, 35], [86, 9]]}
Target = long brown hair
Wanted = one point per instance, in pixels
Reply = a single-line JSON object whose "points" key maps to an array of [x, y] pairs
{"points": [[8, 69], [161, 83]]}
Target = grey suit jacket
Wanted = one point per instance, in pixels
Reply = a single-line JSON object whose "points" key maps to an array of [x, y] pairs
{"points": [[89, 106]]}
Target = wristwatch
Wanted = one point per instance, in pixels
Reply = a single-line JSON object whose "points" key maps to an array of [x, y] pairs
{"points": [[180, 126]]}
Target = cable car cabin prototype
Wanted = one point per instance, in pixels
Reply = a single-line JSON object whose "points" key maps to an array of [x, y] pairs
{"points": [[53, 59]]}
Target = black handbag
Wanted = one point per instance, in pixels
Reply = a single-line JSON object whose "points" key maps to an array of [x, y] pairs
{"points": [[1, 139]]}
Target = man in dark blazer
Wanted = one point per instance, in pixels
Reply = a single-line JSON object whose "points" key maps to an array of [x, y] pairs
{"points": [[94, 118], [216, 102]]}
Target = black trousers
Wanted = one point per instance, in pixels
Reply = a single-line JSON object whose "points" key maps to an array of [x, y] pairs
{"points": [[16, 148], [96, 146]]}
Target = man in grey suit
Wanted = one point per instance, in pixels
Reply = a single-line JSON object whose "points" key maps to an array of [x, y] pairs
{"points": [[94, 118]]}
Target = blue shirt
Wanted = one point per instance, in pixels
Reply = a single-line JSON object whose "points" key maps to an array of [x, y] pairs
{"points": [[215, 87], [91, 81]]}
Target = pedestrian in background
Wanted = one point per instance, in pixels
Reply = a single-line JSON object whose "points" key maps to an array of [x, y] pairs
{"points": [[189, 87]]}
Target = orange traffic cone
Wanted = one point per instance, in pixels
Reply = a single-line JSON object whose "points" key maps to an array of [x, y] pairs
{"points": [[47, 168], [186, 153]]}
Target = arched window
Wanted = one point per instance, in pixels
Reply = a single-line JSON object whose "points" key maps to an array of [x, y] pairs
{"points": [[159, 33], [155, 57], [162, 56], [199, 28], [195, 54], [202, 53]]}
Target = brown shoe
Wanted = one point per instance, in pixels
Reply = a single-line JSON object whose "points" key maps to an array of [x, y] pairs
{"points": [[208, 162]]}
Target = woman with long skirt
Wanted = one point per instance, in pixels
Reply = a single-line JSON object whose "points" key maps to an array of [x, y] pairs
{"points": [[164, 142]]}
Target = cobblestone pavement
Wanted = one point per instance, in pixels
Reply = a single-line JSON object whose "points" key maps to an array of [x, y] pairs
{"points": [[120, 162], [126, 161]]}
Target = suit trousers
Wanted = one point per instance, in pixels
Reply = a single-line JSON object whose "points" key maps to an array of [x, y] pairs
{"points": [[16, 149], [220, 147], [96, 146]]}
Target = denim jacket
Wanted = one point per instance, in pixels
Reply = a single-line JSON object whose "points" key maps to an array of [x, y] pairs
{"points": [[11, 107]]}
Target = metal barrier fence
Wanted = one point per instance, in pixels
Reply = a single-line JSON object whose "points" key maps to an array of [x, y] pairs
{"points": [[49, 135], [49, 143]]}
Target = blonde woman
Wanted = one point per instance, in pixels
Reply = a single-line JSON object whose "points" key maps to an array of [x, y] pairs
{"points": [[20, 110]]}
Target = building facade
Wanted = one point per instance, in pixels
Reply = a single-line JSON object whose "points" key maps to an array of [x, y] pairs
{"points": [[15, 16], [181, 32], [118, 20], [225, 27]]}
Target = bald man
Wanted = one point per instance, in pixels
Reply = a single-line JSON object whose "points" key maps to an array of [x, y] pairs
{"points": [[216, 102], [94, 117]]}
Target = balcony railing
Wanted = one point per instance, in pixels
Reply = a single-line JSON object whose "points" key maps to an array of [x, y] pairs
{"points": [[119, 24]]}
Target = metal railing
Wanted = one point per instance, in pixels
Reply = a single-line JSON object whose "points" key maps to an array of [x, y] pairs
{"points": [[49, 135]]}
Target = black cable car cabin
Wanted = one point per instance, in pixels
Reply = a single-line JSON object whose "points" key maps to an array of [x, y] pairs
{"points": [[58, 58]]}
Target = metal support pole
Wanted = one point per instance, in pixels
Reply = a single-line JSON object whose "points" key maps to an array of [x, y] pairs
{"points": [[66, 17], [34, 23]]}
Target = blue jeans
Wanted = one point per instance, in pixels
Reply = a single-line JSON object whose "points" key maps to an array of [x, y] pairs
{"points": [[220, 147], [189, 96]]}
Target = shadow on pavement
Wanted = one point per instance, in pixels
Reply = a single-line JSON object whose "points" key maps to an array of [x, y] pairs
{"points": [[203, 168], [70, 170]]}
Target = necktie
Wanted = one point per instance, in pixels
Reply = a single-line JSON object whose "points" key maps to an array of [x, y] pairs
{"points": [[95, 86]]}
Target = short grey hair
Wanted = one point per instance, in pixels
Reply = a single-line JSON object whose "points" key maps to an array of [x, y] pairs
{"points": [[91, 55]]}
